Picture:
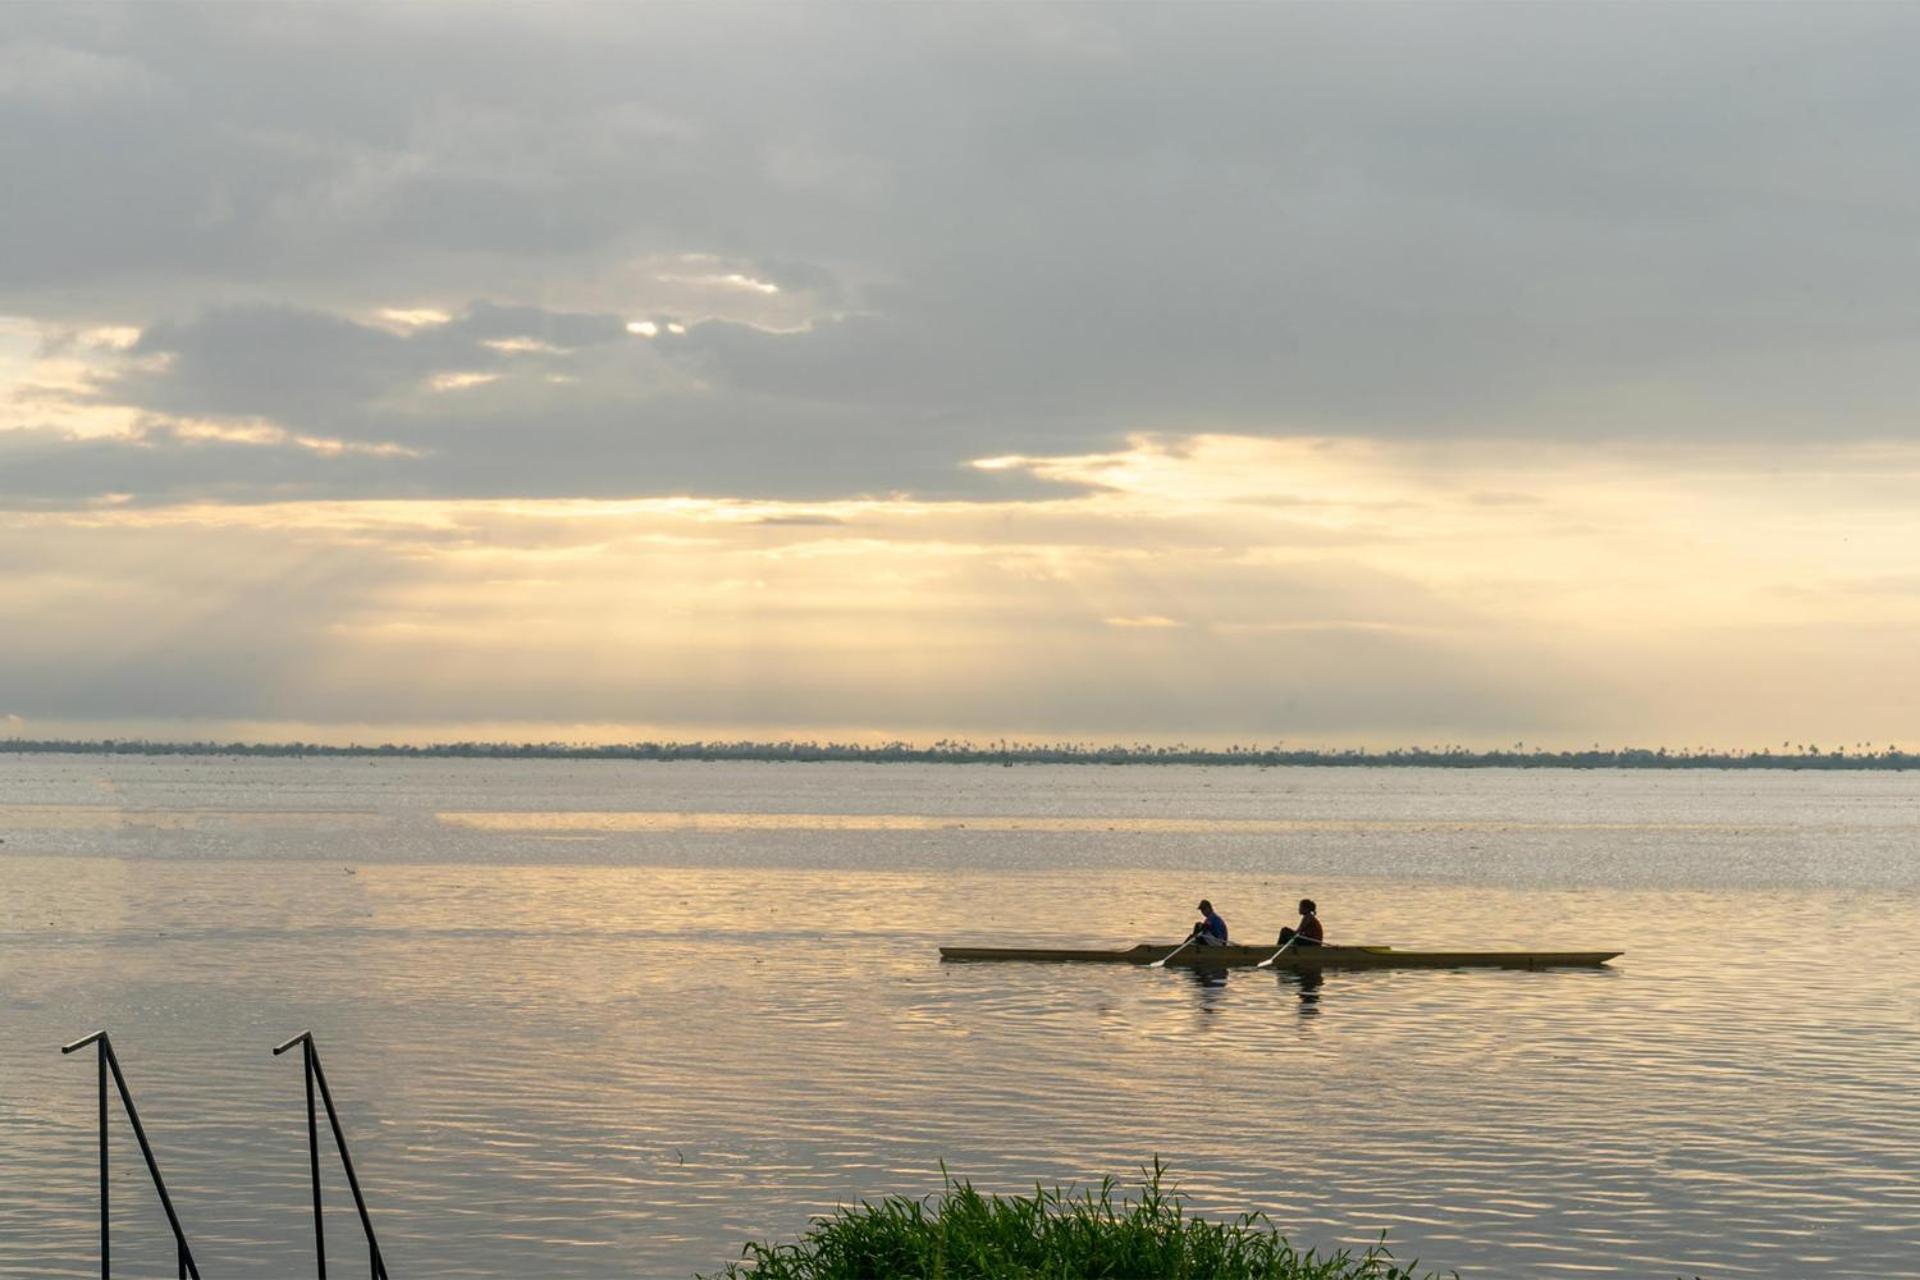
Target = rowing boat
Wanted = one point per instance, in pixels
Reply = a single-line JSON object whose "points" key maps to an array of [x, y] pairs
{"points": [[1293, 959]]}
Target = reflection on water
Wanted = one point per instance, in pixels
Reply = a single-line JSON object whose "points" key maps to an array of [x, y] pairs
{"points": [[1210, 982], [1306, 983], [626, 1057]]}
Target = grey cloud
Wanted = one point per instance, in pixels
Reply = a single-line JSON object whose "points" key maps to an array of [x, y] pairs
{"points": [[50, 470], [55, 75], [1013, 229], [277, 362], [312, 370], [596, 412], [602, 457], [489, 320]]}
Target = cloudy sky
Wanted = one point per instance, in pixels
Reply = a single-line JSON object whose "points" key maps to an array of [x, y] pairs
{"points": [[1346, 374]]}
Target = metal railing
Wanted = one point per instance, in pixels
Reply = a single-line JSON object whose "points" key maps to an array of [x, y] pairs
{"points": [[107, 1064], [315, 1075]]}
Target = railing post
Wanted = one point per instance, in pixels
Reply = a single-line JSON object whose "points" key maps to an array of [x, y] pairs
{"points": [[378, 1264], [316, 1075], [107, 1061], [146, 1150], [106, 1218], [313, 1159]]}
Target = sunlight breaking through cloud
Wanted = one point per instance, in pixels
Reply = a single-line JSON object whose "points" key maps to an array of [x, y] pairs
{"points": [[1156, 369], [410, 318], [460, 380], [1228, 588]]}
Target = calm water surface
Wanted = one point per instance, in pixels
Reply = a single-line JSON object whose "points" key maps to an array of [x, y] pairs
{"points": [[607, 1019]]}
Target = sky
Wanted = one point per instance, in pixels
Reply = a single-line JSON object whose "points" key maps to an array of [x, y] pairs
{"points": [[1351, 374]]}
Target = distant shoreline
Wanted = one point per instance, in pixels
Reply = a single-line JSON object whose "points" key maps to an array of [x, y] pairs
{"points": [[947, 752]]}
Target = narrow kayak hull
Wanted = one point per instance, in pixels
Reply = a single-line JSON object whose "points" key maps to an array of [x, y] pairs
{"points": [[1294, 958]]}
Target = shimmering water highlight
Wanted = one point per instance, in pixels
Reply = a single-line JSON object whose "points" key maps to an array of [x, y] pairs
{"points": [[622, 1055]]}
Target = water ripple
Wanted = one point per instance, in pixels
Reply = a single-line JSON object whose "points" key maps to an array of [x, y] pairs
{"points": [[626, 1059]]}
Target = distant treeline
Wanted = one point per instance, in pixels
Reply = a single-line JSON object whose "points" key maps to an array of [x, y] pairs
{"points": [[955, 752]]}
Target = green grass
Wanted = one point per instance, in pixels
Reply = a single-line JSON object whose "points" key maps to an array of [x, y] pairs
{"points": [[1049, 1235]]}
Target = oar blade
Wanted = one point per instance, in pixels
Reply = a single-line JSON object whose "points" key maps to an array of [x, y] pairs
{"points": [[1161, 963]]}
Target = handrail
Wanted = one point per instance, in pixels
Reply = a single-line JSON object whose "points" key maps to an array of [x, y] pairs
{"points": [[107, 1061], [311, 1057]]}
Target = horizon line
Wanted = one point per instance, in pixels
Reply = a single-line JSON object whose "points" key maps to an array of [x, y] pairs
{"points": [[966, 751]]}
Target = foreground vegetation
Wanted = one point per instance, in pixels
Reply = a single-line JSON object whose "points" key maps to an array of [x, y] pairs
{"points": [[963, 1235], [948, 751]]}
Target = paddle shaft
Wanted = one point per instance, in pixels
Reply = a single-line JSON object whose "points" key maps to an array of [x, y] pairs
{"points": [[1268, 962], [1161, 963]]}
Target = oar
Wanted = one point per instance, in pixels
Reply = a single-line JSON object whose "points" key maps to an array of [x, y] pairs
{"points": [[1268, 962], [1161, 963]]}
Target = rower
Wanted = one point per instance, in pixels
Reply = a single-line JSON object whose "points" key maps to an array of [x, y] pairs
{"points": [[1211, 931], [1309, 934]]}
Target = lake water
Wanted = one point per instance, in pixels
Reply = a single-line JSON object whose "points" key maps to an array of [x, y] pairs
{"points": [[613, 1019]]}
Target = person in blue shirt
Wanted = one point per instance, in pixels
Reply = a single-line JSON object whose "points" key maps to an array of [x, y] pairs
{"points": [[1211, 931]]}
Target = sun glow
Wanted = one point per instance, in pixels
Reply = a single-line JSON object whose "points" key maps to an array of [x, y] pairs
{"points": [[520, 346], [460, 380], [1258, 587], [406, 319]]}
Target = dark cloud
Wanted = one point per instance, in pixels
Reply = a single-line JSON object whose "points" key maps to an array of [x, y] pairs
{"points": [[539, 403], [269, 403], [992, 229], [320, 372], [44, 469], [269, 361]]}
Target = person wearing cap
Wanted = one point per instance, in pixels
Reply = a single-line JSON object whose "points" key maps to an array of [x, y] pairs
{"points": [[1211, 931]]}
